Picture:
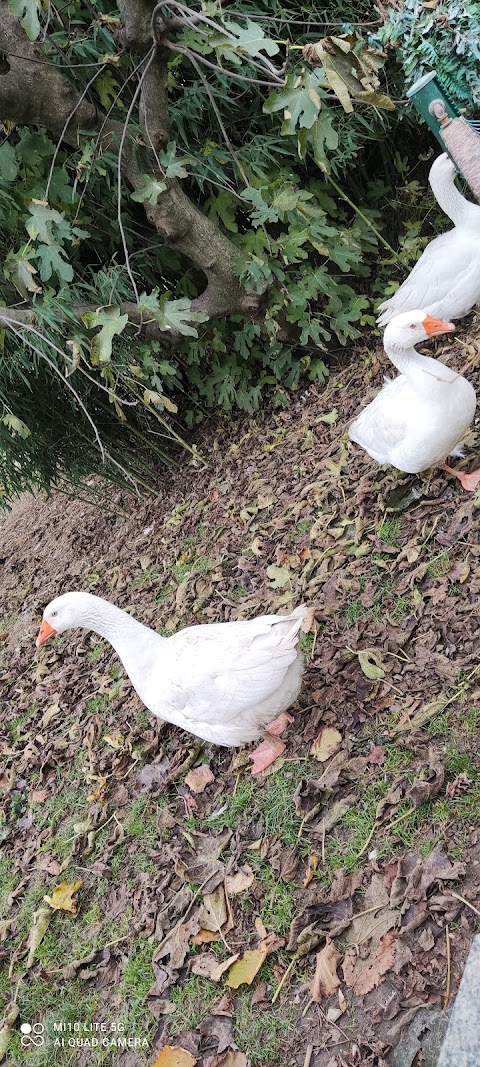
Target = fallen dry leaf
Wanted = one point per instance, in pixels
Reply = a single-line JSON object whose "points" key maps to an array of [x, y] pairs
{"points": [[239, 882], [115, 740], [244, 970], [41, 920], [198, 779], [325, 980], [370, 664], [313, 861], [230, 1059], [382, 962], [7, 1028], [326, 744], [62, 898], [212, 914], [174, 1057], [207, 966]]}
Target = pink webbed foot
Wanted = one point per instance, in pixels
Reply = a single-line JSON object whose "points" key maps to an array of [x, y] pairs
{"points": [[267, 752], [468, 480], [272, 747], [279, 724]]}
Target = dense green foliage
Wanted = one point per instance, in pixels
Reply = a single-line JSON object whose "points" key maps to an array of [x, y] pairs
{"points": [[279, 162], [444, 37]]}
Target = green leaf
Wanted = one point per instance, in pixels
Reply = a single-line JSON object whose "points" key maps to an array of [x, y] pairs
{"points": [[370, 664], [42, 217], [299, 100], [173, 164], [18, 268], [8, 164], [51, 261], [112, 323], [251, 39], [178, 316], [27, 12], [150, 190]]}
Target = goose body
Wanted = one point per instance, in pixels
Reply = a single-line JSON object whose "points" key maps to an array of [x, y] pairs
{"points": [[446, 279], [419, 418], [223, 682]]}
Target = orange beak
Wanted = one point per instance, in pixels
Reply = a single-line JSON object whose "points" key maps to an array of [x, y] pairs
{"points": [[432, 326], [44, 633]]}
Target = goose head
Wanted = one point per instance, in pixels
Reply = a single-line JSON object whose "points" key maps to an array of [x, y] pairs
{"points": [[442, 168], [65, 613], [407, 330]]}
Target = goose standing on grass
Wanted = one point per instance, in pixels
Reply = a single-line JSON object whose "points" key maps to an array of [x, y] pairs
{"points": [[420, 417], [228, 683], [446, 279]]}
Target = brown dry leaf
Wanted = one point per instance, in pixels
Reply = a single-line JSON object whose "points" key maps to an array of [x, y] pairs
{"points": [[239, 882], [212, 913], [198, 779], [325, 980], [313, 861], [174, 1057], [422, 716], [427, 785], [382, 962], [326, 744], [41, 920], [230, 1059], [62, 897], [207, 966], [243, 971], [50, 713]]}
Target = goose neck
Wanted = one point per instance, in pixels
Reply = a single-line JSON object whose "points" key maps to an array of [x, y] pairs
{"points": [[451, 200]]}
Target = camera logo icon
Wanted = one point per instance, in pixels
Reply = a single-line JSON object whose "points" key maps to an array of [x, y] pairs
{"points": [[32, 1035]]}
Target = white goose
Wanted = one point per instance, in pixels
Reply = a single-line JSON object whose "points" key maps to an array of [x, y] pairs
{"points": [[446, 279], [223, 682], [420, 417]]}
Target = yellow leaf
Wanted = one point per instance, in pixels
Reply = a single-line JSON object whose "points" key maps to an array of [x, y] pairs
{"points": [[7, 1029], [244, 970], [50, 713], [41, 919], [115, 740], [326, 744], [62, 897], [370, 664], [174, 1057]]}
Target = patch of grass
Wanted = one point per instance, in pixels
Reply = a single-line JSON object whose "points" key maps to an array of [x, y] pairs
{"points": [[16, 726], [440, 565], [150, 574], [440, 725], [472, 720], [389, 531], [275, 803], [96, 652], [97, 705], [193, 1001], [278, 903], [264, 1035], [306, 645], [138, 975], [402, 609], [235, 806], [142, 819], [8, 881]]}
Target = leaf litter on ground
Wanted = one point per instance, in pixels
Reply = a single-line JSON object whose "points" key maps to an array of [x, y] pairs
{"points": [[390, 659]]}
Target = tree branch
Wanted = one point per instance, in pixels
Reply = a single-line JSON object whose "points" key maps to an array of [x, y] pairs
{"points": [[34, 91]]}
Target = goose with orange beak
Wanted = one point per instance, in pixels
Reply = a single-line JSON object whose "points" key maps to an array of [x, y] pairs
{"points": [[420, 417]]}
